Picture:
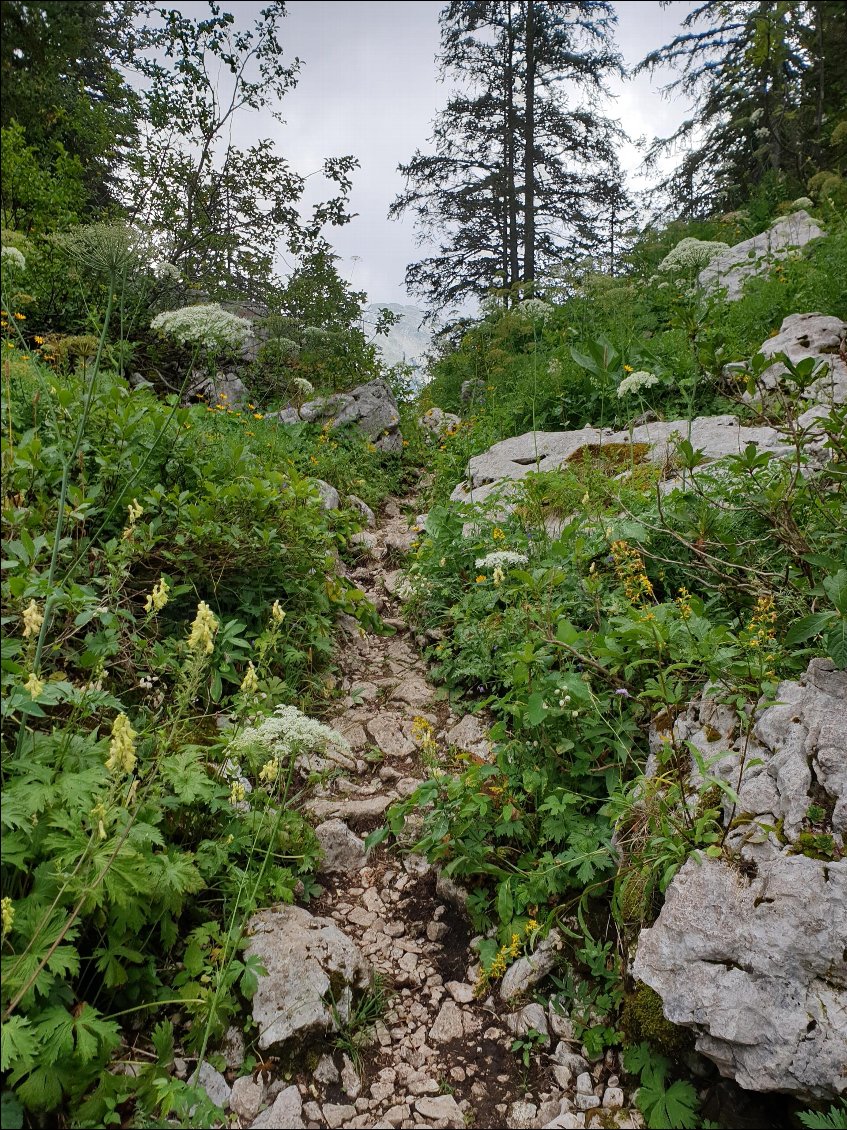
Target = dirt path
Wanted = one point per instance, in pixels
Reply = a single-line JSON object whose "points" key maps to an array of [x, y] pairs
{"points": [[438, 1057]]}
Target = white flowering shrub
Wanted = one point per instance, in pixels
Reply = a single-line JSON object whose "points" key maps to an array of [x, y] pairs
{"points": [[534, 310], [167, 272], [208, 326], [802, 202], [692, 255], [289, 732], [635, 382], [302, 388], [12, 257], [501, 559]]}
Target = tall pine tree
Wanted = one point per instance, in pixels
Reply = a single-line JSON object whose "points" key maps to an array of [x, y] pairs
{"points": [[522, 156]]}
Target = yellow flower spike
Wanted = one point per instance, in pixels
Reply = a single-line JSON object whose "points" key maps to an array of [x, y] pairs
{"points": [[250, 682], [277, 612], [237, 793], [34, 686], [269, 771], [7, 915], [33, 619], [158, 598], [122, 757], [497, 534], [203, 630]]}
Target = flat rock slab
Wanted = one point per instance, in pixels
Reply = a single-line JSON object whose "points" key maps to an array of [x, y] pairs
{"points": [[352, 810], [756, 967], [511, 459], [308, 961], [343, 851]]}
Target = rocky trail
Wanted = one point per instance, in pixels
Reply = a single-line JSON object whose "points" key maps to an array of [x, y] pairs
{"points": [[389, 930]]}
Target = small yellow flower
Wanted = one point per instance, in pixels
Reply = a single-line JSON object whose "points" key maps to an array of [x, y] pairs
{"points": [[481, 579], [158, 598], [628, 369], [277, 612], [20, 317], [237, 793], [7, 914], [33, 619], [258, 416], [34, 685], [203, 630], [250, 682], [134, 511], [122, 746], [497, 533], [269, 771], [38, 340]]}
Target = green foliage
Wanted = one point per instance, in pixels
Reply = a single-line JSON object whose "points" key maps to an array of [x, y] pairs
{"points": [[665, 1105], [528, 1045], [833, 1119]]}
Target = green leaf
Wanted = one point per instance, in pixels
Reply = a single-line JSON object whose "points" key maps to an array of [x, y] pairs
{"points": [[19, 1044], [505, 902], [536, 709], [807, 627], [836, 643], [11, 1112]]}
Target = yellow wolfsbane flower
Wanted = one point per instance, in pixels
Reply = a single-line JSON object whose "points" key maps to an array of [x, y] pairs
{"points": [[7, 914], [33, 619], [158, 598], [34, 685], [237, 793], [277, 613], [481, 579], [122, 747], [269, 771], [202, 635], [250, 682]]}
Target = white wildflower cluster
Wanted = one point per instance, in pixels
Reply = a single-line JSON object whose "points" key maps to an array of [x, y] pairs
{"points": [[284, 348], [167, 272], [209, 326], [534, 309], [501, 559], [289, 732], [802, 202], [301, 387], [692, 254], [12, 257], [763, 133], [635, 382], [757, 115], [315, 335], [554, 367]]}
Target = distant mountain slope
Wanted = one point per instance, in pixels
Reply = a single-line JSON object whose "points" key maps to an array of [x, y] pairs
{"points": [[406, 342]]}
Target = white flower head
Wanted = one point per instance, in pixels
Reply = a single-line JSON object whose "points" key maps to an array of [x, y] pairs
{"points": [[692, 254], [534, 309], [12, 257], [501, 559], [803, 202], [635, 382], [209, 326], [290, 732]]}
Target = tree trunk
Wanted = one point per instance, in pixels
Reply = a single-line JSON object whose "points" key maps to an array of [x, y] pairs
{"points": [[509, 152], [529, 149]]}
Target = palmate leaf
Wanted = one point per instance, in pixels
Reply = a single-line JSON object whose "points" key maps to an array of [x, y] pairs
{"points": [[19, 1044], [671, 1108]]}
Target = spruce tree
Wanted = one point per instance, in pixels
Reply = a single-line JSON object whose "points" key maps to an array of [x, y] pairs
{"points": [[519, 165]]}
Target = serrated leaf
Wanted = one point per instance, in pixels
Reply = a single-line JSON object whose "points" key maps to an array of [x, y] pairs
{"points": [[808, 627], [19, 1044], [836, 643]]}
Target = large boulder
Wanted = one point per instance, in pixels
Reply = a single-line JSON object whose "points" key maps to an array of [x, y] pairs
{"points": [[370, 407], [756, 967], [750, 954], [821, 337], [313, 970], [731, 269], [512, 459]]}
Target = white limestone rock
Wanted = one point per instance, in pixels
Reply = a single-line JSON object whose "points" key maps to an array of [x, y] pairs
{"points": [[306, 959], [731, 269]]}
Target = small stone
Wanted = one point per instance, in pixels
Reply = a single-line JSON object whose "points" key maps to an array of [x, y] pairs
{"points": [[460, 991], [312, 1112], [245, 1099], [337, 1116], [530, 1016], [586, 1102], [458, 1073], [350, 1081], [561, 1026], [326, 1072], [232, 1048], [448, 1024], [343, 851], [395, 1115], [613, 1096], [213, 1083], [440, 1108], [522, 1115], [287, 1111], [435, 931], [585, 1084]]}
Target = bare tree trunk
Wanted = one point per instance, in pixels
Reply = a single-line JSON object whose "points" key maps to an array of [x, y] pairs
{"points": [[529, 149], [509, 147]]}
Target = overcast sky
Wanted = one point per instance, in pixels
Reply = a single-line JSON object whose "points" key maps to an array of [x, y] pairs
{"points": [[369, 86]]}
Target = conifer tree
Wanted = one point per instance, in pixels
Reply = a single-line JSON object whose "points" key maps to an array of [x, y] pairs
{"points": [[522, 156]]}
